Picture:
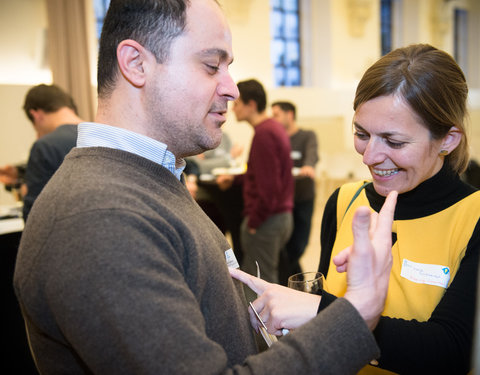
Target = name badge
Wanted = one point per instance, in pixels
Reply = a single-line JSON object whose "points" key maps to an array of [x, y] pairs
{"points": [[295, 155], [231, 259], [420, 273]]}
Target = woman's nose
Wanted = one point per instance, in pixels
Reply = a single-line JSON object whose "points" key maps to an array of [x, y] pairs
{"points": [[372, 153]]}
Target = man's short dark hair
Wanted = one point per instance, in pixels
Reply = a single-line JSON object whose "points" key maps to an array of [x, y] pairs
{"points": [[49, 98], [152, 23], [253, 90], [286, 107]]}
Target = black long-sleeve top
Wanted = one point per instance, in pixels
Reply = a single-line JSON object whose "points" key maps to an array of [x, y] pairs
{"points": [[443, 343]]}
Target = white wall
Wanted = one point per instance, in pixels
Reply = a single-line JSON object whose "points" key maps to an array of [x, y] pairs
{"points": [[344, 42], [336, 53], [23, 24]]}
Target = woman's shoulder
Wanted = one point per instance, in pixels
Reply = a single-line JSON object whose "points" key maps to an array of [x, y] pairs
{"points": [[350, 190]]}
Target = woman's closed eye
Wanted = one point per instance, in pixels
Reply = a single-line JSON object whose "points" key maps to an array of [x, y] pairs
{"points": [[390, 142], [361, 135], [394, 144]]}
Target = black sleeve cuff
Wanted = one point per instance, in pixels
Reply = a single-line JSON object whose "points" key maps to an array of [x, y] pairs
{"points": [[326, 300]]}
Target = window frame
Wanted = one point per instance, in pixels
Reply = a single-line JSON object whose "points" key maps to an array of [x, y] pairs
{"points": [[286, 47]]}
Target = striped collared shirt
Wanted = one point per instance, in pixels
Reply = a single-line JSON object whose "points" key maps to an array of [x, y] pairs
{"points": [[91, 134]]}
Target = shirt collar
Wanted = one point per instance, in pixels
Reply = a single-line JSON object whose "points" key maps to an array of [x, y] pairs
{"points": [[91, 134]]}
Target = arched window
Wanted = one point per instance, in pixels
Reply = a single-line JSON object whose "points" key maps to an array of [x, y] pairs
{"points": [[285, 47], [460, 39], [100, 7], [386, 26]]}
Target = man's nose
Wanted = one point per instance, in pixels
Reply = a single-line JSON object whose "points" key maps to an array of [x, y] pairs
{"points": [[227, 87]]}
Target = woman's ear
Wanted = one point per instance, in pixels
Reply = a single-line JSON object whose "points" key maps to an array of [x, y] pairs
{"points": [[451, 140], [131, 57]]}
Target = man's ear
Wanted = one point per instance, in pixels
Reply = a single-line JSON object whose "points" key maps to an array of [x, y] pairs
{"points": [[38, 116], [291, 116], [452, 139], [252, 104], [131, 58], [35, 113]]}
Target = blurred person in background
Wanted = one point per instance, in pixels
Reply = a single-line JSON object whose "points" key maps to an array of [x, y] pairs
{"points": [[54, 117], [304, 155], [267, 185]]}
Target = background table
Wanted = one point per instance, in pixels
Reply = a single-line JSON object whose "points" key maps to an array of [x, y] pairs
{"points": [[16, 353]]}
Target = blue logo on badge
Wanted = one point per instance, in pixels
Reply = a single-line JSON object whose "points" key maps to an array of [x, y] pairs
{"points": [[445, 270]]}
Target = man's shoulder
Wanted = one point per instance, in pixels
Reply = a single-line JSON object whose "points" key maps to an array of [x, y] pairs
{"points": [[276, 124], [270, 125], [306, 133], [111, 179], [63, 134], [64, 131]]}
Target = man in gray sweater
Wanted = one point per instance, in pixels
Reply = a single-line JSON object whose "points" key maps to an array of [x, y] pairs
{"points": [[120, 272]]}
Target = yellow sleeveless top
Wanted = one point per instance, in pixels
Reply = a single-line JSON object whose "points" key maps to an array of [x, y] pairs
{"points": [[426, 255]]}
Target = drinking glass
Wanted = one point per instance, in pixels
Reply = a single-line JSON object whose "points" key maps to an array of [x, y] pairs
{"points": [[309, 282]]}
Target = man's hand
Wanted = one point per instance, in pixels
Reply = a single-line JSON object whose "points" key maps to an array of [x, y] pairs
{"points": [[369, 260], [191, 184], [225, 181], [307, 171], [278, 306], [236, 151], [8, 175]]}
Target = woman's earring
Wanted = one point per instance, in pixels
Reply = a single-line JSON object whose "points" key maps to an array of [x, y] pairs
{"points": [[443, 153]]}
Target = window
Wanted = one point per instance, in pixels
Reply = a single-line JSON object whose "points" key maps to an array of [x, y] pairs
{"points": [[285, 47], [100, 7], [386, 26], [460, 47]]}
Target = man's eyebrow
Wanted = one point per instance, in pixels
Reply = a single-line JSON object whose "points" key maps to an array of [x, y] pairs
{"points": [[355, 124], [224, 55]]}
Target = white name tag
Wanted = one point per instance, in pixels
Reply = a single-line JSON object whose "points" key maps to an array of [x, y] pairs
{"points": [[431, 274], [231, 259], [295, 155]]}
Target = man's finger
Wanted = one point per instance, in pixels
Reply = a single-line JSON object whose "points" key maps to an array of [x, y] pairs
{"points": [[385, 217], [254, 283]]}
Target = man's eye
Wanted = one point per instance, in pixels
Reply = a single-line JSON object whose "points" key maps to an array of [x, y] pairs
{"points": [[213, 68]]}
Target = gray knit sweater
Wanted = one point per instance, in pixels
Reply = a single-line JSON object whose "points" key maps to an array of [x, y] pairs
{"points": [[120, 272]]}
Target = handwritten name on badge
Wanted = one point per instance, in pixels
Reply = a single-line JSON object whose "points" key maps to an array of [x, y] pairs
{"points": [[431, 274], [231, 259]]}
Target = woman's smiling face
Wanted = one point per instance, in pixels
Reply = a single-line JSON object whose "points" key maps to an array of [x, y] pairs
{"points": [[396, 146]]}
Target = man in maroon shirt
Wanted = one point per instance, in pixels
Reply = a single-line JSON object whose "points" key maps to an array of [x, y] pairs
{"points": [[268, 185]]}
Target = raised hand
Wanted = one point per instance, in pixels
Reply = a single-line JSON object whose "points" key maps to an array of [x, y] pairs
{"points": [[369, 260]]}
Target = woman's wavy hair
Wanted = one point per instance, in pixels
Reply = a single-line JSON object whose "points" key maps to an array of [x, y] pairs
{"points": [[431, 83]]}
